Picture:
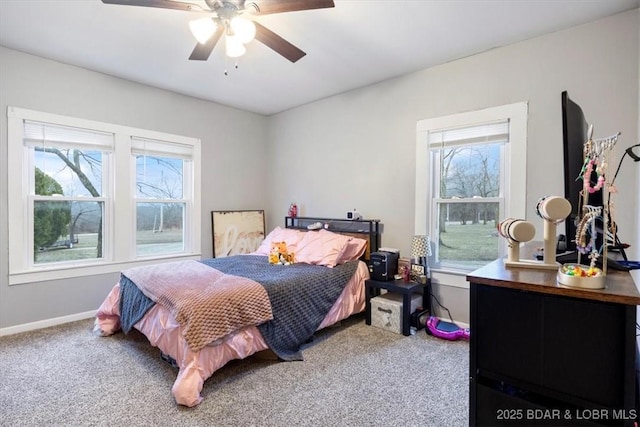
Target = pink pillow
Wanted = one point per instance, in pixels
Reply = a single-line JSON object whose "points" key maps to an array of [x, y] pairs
{"points": [[321, 248], [354, 249], [288, 235]]}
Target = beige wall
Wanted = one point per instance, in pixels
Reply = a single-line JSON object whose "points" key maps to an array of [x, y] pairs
{"points": [[233, 148], [356, 150]]}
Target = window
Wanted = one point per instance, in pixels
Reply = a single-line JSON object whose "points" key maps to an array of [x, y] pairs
{"points": [[160, 196], [66, 195], [91, 197], [471, 173]]}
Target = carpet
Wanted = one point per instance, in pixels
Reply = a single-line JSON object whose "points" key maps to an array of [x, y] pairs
{"points": [[352, 375]]}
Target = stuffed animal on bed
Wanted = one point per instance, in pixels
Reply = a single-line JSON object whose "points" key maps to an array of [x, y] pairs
{"points": [[280, 255]]}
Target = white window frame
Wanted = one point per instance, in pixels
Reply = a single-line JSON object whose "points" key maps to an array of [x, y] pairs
{"points": [[119, 251], [514, 175]]}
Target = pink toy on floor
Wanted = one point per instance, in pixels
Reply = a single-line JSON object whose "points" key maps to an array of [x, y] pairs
{"points": [[446, 330]]}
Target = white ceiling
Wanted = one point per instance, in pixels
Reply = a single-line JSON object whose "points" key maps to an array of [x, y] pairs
{"points": [[357, 43]]}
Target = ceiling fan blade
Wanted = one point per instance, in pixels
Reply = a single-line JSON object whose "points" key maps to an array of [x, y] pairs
{"points": [[267, 7], [163, 4], [202, 51], [277, 43]]}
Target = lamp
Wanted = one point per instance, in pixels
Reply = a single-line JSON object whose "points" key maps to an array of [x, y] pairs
{"points": [[636, 158], [421, 249], [235, 48], [244, 29], [238, 32], [202, 29], [630, 153]]}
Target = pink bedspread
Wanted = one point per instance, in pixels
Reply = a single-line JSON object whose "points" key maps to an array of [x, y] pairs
{"points": [[206, 302], [164, 332]]}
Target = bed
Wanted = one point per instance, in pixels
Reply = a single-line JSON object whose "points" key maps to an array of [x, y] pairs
{"points": [[324, 286]]}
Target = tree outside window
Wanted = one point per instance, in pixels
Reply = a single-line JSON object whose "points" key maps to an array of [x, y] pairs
{"points": [[66, 225], [467, 205], [160, 207]]}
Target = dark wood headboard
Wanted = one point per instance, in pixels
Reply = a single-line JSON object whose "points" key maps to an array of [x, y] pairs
{"points": [[367, 229]]}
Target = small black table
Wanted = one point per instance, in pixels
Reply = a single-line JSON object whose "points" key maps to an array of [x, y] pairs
{"points": [[406, 289]]}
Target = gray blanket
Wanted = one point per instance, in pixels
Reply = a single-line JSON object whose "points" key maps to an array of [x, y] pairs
{"points": [[133, 304], [301, 295]]}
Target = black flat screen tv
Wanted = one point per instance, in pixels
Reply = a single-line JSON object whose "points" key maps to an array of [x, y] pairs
{"points": [[574, 135]]}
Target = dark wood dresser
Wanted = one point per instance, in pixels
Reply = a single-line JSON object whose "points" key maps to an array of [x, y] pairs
{"points": [[542, 354]]}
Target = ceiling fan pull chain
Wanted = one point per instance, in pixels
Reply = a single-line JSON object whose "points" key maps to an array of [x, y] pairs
{"points": [[226, 73]]}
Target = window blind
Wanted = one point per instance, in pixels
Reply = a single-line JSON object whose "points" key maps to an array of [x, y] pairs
{"points": [[478, 134], [150, 147], [51, 135]]}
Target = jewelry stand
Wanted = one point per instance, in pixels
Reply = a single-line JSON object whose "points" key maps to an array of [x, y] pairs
{"points": [[553, 210], [549, 257], [595, 162]]}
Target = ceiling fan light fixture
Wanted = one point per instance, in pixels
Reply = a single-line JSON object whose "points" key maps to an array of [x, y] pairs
{"points": [[217, 23], [235, 48], [202, 29], [243, 28]]}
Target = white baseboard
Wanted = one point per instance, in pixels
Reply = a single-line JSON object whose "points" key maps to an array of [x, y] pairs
{"points": [[463, 325], [25, 327]]}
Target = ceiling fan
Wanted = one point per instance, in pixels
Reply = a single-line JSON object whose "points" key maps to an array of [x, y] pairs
{"points": [[225, 17]]}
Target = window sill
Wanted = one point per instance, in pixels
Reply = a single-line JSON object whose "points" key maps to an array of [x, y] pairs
{"points": [[66, 272], [454, 278]]}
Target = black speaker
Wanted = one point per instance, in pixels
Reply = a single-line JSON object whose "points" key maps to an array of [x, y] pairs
{"points": [[384, 265]]}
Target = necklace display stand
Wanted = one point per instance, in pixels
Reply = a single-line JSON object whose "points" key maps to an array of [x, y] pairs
{"points": [[596, 153]]}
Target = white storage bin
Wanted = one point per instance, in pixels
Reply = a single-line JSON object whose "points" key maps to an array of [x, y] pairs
{"points": [[386, 311]]}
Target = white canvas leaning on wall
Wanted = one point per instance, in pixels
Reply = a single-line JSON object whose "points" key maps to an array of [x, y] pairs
{"points": [[236, 232]]}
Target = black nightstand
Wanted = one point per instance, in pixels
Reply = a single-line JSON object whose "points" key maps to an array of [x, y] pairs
{"points": [[406, 289]]}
